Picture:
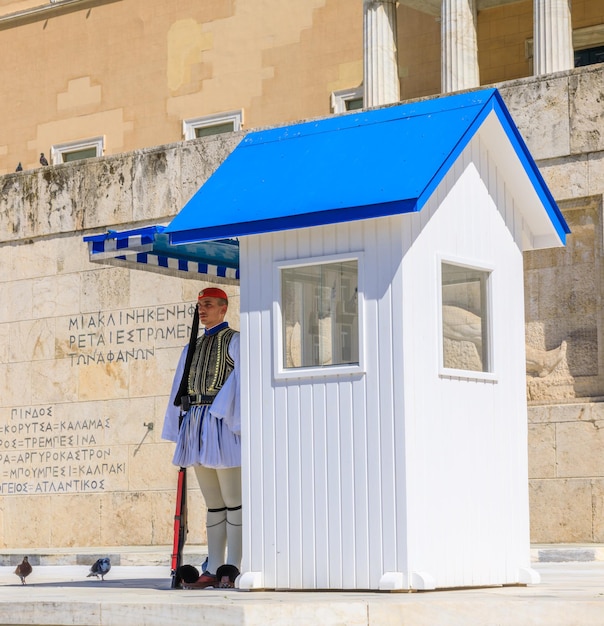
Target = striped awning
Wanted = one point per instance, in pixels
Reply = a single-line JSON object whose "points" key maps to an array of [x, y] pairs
{"points": [[150, 249]]}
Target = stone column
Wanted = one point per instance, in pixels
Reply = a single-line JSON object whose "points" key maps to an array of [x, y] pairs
{"points": [[380, 82], [553, 37], [459, 57]]}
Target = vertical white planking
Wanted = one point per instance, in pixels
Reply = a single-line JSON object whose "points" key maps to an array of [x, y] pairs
{"points": [[361, 489], [322, 559], [252, 428], [358, 575], [398, 400], [294, 488], [388, 263], [342, 559], [250, 438], [334, 485], [347, 539], [280, 458], [510, 428], [308, 442], [266, 413], [373, 296]]}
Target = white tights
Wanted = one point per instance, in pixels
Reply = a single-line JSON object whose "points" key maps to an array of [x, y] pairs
{"points": [[221, 489]]}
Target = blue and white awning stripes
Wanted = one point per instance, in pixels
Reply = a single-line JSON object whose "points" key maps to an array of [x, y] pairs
{"points": [[182, 265], [148, 248]]}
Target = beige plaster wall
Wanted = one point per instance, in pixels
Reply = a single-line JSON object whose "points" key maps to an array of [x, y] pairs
{"points": [[131, 71], [418, 53], [504, 34]]}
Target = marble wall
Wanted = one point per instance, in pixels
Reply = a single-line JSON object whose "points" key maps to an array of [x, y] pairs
{"points": [[87, 351], [561, 117]]}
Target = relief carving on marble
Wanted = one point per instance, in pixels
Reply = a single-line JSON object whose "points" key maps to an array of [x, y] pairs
{"points": [[562, 310]]}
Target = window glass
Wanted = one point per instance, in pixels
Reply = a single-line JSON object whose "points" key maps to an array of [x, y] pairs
{"points": [[464, 318], [214, 129], [354, 104], [320, 314], [87, 153], [590, 56]]}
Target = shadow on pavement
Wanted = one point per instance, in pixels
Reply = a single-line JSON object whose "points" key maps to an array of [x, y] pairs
{"points": [[120, 583]]}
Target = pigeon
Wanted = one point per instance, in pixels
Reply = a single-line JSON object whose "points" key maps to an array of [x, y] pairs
{"points": [[43, 160], [100, 568], [19, 167], [23, 569]]}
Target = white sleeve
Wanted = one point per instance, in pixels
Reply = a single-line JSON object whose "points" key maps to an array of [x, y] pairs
{"points": [[171, 418]]}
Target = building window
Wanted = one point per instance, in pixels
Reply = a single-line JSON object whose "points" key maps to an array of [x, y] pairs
{"points": [[590, 56], [347, 100], [465, 319], [588, 44], [212, 124], [76, 150], [320, 314]]}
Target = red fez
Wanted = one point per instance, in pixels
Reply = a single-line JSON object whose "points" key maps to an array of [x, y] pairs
{"points": [[212, 292]]}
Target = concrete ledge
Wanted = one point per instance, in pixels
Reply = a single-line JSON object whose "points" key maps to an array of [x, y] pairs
{"points": [[127, 555], [567, 553]]}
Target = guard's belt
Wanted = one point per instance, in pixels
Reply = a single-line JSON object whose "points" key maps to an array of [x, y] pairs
{"points": [[186, 402]]}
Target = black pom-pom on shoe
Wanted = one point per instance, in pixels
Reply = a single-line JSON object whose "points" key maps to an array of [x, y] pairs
{"points": [[187, 573], [226, 575]]}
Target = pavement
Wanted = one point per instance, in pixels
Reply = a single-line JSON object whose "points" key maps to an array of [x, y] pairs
{"points": [[137, 592]]}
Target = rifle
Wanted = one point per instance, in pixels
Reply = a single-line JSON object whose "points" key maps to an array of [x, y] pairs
{"points": [[180, 527]]}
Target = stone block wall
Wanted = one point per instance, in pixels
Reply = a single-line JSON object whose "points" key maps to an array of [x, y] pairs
{"points": [[566, 466], [87, 352], [561, 118]]}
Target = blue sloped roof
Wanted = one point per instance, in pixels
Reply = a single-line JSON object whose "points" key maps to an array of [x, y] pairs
{"points": [[368, 164]]}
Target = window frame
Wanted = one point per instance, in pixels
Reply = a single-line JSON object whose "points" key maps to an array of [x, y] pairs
{"points": [[58, 150], [280, 372], [449, 372], [341, 96], [205, 121]]}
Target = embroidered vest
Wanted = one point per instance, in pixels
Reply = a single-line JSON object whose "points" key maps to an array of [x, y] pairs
{"points": [[211, 363]]}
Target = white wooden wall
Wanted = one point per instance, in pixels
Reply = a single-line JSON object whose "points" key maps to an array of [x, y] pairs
{"points": [[398, 469], [466, 438], [322, 454]]}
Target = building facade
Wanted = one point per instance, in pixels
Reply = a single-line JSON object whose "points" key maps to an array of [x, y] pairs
{"points": [[88, 351], [101, 77]]}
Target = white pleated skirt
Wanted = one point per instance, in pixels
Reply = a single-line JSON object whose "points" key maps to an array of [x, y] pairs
{"points": [[206, 440]]}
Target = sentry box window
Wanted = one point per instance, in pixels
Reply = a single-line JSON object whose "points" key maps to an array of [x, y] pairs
{"points": [[465, 319], [320, 315]]}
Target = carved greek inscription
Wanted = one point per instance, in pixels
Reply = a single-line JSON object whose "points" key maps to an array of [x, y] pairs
{"points": [[42, 453], [126, 335]]}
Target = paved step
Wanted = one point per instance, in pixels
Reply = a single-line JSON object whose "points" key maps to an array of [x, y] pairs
{"points": [[123, 555], [567, 553], [569, 594]]}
